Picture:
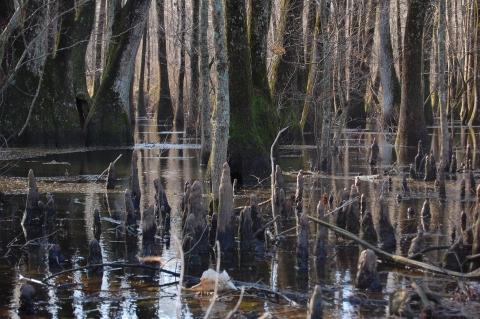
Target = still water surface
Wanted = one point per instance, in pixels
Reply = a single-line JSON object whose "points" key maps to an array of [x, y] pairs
{"points": [[165, 153]]}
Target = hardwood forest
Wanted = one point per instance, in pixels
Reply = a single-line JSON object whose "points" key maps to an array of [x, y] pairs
{"points": [[78, 73]]}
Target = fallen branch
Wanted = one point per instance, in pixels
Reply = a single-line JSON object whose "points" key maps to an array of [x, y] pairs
{"points": [[255, 234], [348, 202], [107, 168], [396, 258], [423, 251]]}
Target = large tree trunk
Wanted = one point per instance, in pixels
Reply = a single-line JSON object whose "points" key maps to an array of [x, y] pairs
{"points": [[84, 21], [56, 100], [391, 95], [178, 117], [249, 136], [442, 89], [108, 122], [164, 107], [206, 126], [411, 126], [141, 108], [221, 115], [192, 114]]}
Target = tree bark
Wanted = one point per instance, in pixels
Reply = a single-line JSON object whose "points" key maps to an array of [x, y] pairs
{"points": [[206, 126], [192, 114], [391, 95], [475, 114], [164, 107], [221, 115], [411, 126], [178, 116], [84, 22], [442, 89], [141, 109], [100, 28], [108, 122]]}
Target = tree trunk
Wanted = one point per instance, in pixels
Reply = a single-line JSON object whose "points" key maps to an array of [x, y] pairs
{"points": [[442, 89], [391, 95], [206, 126], [411, 126], [108, 122], [84, 22], [179, 117], [164, 107], [100, 27], [192, 114], [141, 109], [284, 79], [221, 115], [475, 114], [250, 131]]}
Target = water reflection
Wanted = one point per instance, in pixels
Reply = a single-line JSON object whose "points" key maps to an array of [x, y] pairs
{"points": [[165, 154]]}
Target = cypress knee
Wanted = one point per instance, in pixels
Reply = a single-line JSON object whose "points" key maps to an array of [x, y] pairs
{"points": [[367, 277], [226, 216]]}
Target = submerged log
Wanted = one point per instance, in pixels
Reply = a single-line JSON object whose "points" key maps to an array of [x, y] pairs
{"points": [[32, 215], [316, 304], [199, 210], [302, 242], [110, 183], [94, 255], [26, 303], [386, 232], [374, 152], [353, 213], [135, 184], [245, 233], [367, 229], [226, 215], [322, 233], [367, 277], [149, 226]]}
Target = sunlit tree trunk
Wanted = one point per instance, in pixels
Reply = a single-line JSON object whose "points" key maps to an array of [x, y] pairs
{"points": [[163, 107], [206, 126], [221, 114], [411, 126], [141, 109], [475, 114], [100, 28], [178, 116], [442, 90], [390, 83], [192, 113], [108, 122]]}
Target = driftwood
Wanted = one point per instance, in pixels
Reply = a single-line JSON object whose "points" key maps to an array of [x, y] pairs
{"points": [[226, 216], [396, 258]]}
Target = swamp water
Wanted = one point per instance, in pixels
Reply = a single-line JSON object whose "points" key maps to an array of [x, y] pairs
{"points": [[127, 292]]}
